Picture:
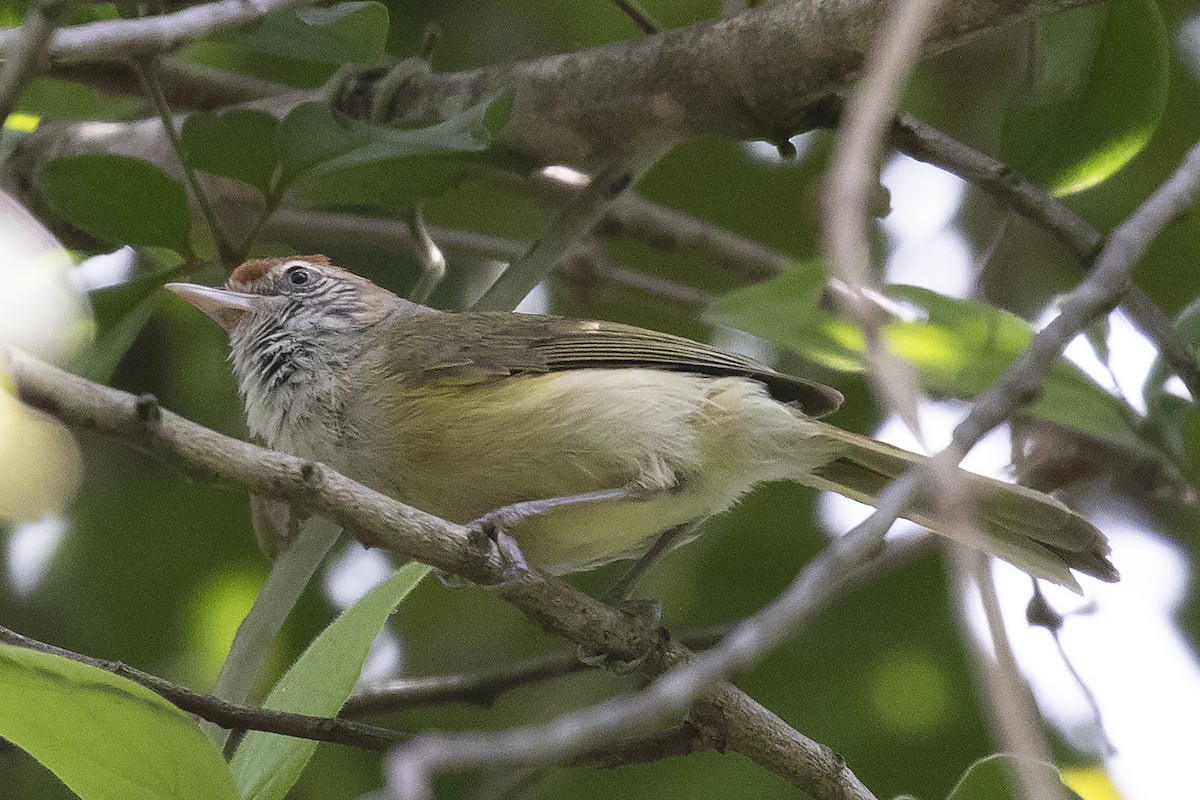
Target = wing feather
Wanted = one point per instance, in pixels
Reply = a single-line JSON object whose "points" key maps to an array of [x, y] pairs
{"points": [[477, 347]]}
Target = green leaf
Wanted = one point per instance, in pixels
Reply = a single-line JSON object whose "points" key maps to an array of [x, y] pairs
{"points": [[1106, 73], [336, 161], [99, 363], [343, 33], [785, 310], [498, 113], [267, 764], [310, 135], [52, 98], [105, 736], [238, 144], [990, 778], [119, 200], [959, 347]]}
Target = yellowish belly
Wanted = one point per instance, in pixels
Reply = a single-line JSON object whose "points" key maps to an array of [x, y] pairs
{"points": [[695, 444]]}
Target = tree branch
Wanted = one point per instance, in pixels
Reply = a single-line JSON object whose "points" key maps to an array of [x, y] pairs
{"points": [[752, 76], [486, 687], [121, 38], [761, 74], [226, 714], [745, 725], [476, 688], [1009, 704], [853, 172], [1104, 287]]}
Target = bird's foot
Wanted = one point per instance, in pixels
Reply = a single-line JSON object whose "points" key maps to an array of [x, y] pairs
{"points": [[491, 531]]}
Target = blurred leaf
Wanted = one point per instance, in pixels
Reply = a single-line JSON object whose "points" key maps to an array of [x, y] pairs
{"points": [[498, 113], [105, 736], [112, 344], [1090, 783], [785, 310], [341, 34], [310, 135], [1175, 420], [238, 144], [337, 161], [990, 778], [118, 199], [1081, 132], [120, 313], [959, 347], [52, 98], [267, 764]]}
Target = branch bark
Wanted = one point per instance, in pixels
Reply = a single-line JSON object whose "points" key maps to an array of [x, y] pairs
{"points": [[755, 75], [758, 75]]}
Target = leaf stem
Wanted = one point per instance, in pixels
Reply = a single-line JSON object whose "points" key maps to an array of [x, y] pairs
{"points": [[145, 73]]}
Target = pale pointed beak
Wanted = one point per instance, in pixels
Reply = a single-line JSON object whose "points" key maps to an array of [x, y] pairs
{"points": [[222, 305]]}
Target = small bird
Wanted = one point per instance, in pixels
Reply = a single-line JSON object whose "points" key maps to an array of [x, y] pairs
{"points": [[604, 437]]}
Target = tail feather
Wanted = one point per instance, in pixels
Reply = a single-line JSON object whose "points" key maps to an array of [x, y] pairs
{"points": [[1032, 530]]}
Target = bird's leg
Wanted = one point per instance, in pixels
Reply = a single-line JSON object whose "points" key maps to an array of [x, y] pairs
{"points": [[654, 479], [508, 517], [496, 524], [620, 590]]}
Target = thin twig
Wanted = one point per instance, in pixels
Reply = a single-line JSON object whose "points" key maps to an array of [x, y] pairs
{"points": [[389, 235], [486, 687], [429, 255], [22, 62], [123, 38], [853, 172], [680, 740], [226, 714], [662, 228], [1011, 707], [145, 73], [1098, 293], [633, 9], [1040, 614], [474, 688]]}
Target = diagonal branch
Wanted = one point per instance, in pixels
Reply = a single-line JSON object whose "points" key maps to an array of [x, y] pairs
{"points": [[726, 713], [1105, 286]]}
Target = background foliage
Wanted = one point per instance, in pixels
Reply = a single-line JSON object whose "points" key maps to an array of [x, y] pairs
{"points": [[156, 571]]}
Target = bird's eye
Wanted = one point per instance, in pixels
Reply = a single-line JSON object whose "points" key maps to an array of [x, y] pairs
{"points": [[299, 276]]}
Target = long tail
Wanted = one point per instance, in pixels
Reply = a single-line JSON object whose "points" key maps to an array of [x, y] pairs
{"points": [[1025, 527]]}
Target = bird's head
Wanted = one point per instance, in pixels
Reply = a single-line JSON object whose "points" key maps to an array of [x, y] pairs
{"points": [[298, 294]]}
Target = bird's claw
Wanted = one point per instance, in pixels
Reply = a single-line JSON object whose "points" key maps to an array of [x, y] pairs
{"points": [[487, 532]]}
